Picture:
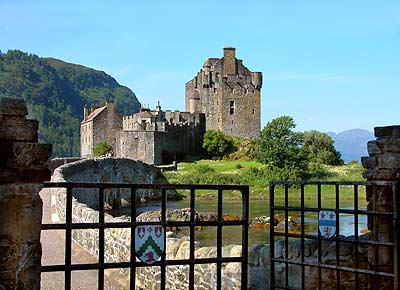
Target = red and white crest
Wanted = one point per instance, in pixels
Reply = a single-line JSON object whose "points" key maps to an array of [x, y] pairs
{"points": [[327, 223], [149, 243]]}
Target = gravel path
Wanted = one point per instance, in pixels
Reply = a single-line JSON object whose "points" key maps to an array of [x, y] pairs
{"points": [[53, 248]]}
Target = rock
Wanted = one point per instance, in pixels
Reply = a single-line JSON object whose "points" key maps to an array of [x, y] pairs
{"points": [[13, 107]]}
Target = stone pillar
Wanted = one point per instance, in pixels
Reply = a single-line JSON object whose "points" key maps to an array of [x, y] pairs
{"points": [[23, 168], [383, 164]]}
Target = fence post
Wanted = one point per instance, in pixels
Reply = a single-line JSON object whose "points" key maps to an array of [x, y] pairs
{"points": [[383, 164], [23, 168]]}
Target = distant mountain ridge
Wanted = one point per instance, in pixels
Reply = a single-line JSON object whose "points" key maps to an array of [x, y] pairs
{"points": [[56, 91], [352, 144]]}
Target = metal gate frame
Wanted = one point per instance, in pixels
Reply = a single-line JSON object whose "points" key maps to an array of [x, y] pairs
{"points": [[375, 243], [68, 226]]}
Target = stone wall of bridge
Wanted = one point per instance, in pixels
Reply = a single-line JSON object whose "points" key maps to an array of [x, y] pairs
{"points": [[111, 170]]}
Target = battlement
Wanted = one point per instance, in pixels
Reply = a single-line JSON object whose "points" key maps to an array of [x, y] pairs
{"points": [[159, 120]]}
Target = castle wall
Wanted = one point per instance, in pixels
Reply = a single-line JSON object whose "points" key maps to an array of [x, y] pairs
{"points": [[86, 139], [161, 142], [105, 125], [100, 128], [137, 145]]}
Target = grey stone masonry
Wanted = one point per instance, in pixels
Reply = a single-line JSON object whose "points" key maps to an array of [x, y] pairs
{"points": [[383, 164], [23, 168], [228, 93]]}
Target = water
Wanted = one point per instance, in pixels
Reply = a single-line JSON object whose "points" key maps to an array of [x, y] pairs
{"points": [[257, 208]]}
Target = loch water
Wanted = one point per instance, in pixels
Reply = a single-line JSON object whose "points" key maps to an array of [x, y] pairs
{"points": [[257, 208]]}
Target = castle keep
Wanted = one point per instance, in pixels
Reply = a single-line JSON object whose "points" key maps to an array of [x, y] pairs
{"points": [[228, 93], [152, 136]]}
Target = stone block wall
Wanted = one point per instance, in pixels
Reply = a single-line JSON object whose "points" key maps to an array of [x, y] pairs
{"points": [[23, 168], [383, 164]]}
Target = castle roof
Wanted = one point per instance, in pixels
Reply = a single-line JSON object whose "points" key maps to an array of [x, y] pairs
{"points": [[94, 114]]}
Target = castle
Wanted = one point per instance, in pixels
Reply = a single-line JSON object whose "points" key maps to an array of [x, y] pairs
{"points": [[228, 93], [152, 136], [224, 95]]}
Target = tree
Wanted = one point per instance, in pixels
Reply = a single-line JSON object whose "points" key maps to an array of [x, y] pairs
{"points": [[101, 148], [280, 147], [320, 148], [217, 144]]}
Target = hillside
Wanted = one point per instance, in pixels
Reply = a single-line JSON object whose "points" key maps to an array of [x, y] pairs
{"points": [[56, 91], [352, 144]]}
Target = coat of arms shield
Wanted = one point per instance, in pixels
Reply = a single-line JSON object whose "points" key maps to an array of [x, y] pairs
{"points": [[149, 243], [327, 223]]}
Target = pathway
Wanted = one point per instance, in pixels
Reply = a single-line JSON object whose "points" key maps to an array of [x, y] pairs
{"points": [[53, 248]]}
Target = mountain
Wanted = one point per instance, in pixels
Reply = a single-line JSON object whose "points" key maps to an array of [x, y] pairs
{"points": [[353, 143], [56, 91], [331, 134]]}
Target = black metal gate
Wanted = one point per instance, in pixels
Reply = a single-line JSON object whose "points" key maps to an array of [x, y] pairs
{"points": [[309, 251], [220, 223]]}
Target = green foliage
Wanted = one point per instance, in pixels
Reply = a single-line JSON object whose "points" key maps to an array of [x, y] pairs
{"points": [[101, 148], [203, 169], [217, 144], [55, 93], [245, 149], [279, 147], [320, 148]]}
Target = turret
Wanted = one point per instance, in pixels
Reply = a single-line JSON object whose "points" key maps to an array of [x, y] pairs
{"points": [[207, 65], [194, 103], [256, 79]]}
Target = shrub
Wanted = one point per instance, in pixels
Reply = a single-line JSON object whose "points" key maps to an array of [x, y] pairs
{"points": [[238, 166], [217, 144], [101, 148]]}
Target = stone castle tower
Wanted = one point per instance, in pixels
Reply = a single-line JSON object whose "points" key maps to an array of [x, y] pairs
{"points": [[228, 94]]}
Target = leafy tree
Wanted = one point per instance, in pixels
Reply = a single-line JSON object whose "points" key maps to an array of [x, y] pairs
{"points": [[320, 148], [280, 147], [217, 144], [101, 148]]}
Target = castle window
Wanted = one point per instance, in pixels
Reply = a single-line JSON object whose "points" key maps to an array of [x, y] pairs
{"points": [[254, 112], [232, 122], [215, 90], [232, 107]]}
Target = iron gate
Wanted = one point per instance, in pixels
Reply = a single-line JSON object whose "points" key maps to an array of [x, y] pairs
{"points": [[101, 225], [309, 251]]}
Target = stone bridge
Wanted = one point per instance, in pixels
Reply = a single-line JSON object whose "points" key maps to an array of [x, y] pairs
{"points": [[111, 170]]}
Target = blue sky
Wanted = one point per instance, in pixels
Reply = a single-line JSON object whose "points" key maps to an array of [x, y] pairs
{"points": [[331, 65]]}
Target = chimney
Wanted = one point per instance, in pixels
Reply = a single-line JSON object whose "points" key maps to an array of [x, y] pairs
{"points": [[85, 112], [229, 60]]}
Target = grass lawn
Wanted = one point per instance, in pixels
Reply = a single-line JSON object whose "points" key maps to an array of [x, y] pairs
{"points": [[240, 172], [218, 165]]}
